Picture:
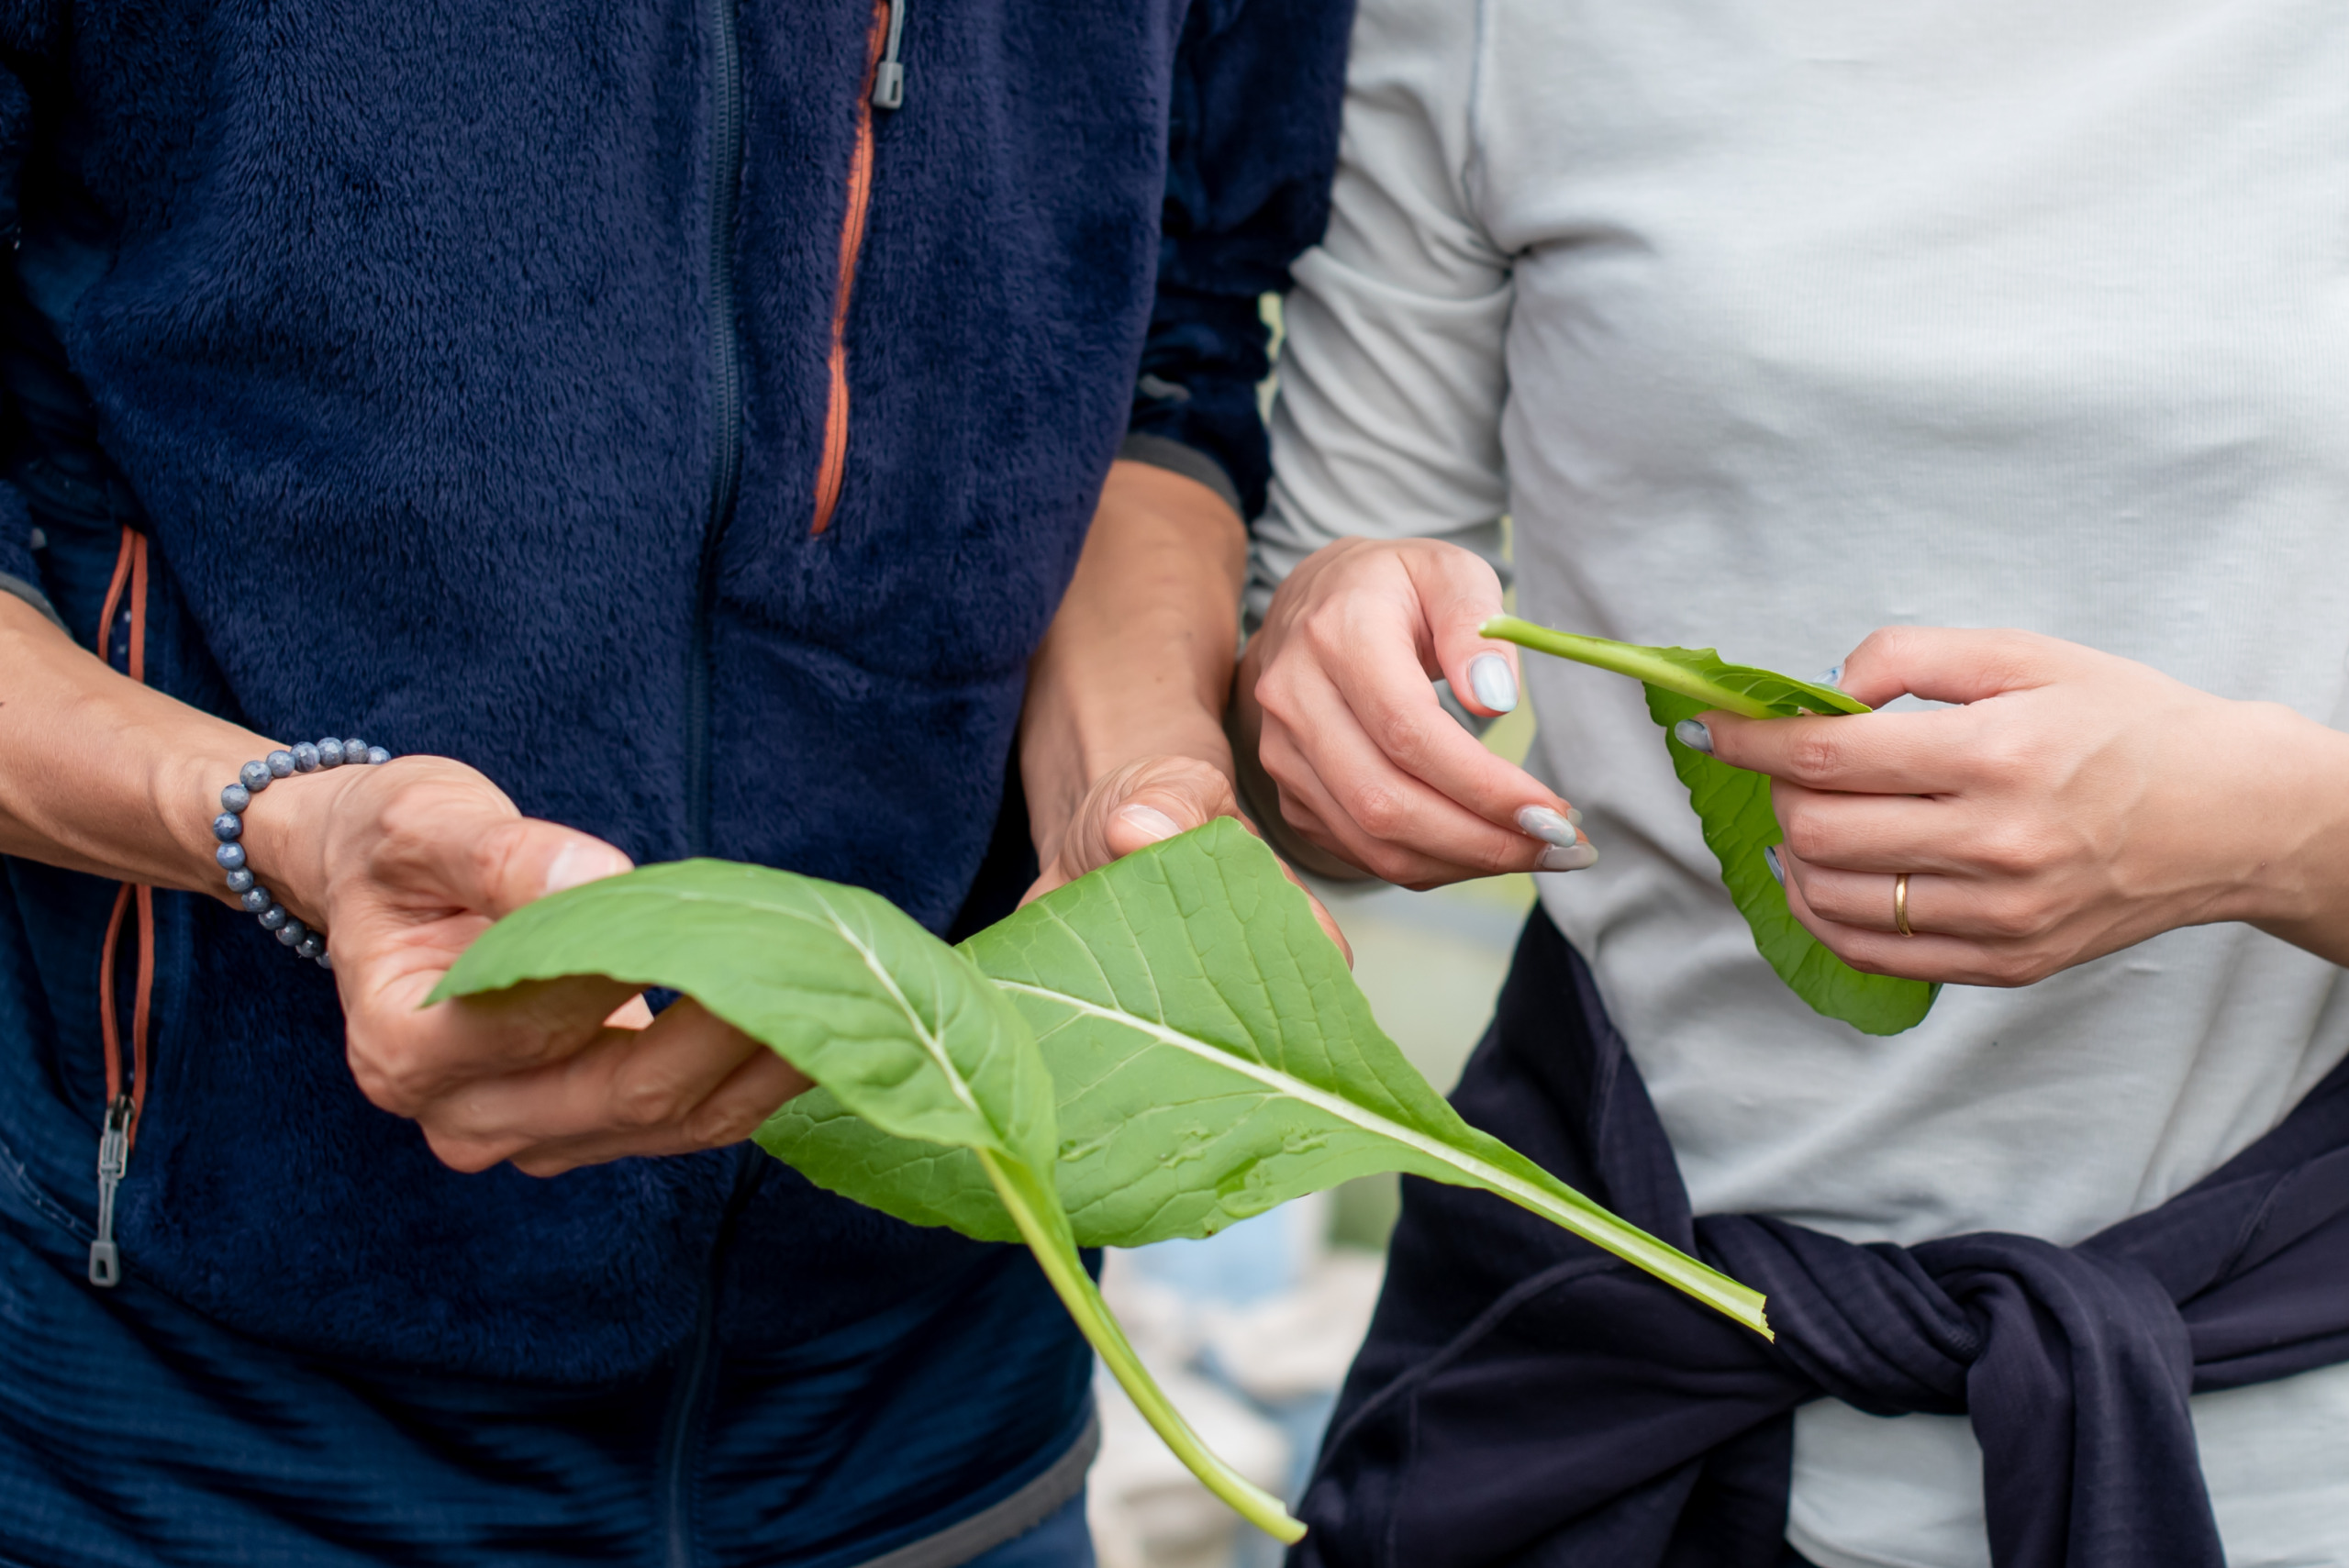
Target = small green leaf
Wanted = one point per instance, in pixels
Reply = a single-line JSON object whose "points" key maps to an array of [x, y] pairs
{"points": [[1733, 808], [899, 1027], [1213, 1059]]}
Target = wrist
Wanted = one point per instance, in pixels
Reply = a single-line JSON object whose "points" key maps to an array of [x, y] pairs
{"points": [[286, 837], [2295, 885], [183, 789], [290, 842]]}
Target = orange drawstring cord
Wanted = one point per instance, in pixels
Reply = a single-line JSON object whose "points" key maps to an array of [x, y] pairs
{"points": [[121, 1127]]}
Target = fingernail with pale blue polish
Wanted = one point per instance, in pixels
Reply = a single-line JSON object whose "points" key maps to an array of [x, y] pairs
{"points": [[1833, 678], [1493, 681], [1559, 857], [1546, 824], [1770, 859], [1694, 735]]}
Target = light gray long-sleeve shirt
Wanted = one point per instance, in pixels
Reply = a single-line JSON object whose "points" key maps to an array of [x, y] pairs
{"points": [[1774, 321]]}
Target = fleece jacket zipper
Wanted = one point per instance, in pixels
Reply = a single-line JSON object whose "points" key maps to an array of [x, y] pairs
{"points": [[726, 407], [689, 1395], [885, 87]]}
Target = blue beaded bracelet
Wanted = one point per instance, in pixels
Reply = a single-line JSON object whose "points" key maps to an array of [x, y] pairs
{"points": [[230, 827]]}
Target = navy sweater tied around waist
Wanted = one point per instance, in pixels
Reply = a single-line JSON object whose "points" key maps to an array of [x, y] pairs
{"points": [[1526, 1399], [689, 415]]}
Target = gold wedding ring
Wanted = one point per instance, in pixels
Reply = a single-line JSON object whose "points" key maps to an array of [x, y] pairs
{"points": [[1900, 903]]}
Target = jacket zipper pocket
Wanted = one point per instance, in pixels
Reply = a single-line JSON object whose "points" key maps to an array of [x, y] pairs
{"points": [[884, 89], [125, 1100]]}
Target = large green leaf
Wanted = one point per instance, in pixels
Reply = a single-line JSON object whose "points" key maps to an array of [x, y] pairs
{"points": [[1213, 1059], [1733, 807], [837, 980], [899, 1028]]}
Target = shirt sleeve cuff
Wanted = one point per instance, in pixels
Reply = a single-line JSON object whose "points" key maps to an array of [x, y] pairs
{"points": [[1165, 451], [32, 597]]}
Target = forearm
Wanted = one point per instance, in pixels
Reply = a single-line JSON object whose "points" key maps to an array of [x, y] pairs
{"points": [[1137, 661], [99, 773]]}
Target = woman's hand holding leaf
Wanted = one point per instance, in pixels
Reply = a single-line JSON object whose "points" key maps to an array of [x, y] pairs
{"points": [[1336, 695], [2073, 804], [1684, 684]]}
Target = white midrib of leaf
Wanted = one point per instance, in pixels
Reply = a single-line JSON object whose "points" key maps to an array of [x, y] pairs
{"points": [[1625, 1241], [929, 1042]]}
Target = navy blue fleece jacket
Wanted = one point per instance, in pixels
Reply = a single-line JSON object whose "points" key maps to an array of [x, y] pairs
{"points": [[471, 369]]}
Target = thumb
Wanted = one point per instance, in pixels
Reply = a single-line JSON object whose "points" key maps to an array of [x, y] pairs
{"points": [[1164, 806], [1458, 593], [529, 859], [461, 840], [1144, 803], [1137, 805]]}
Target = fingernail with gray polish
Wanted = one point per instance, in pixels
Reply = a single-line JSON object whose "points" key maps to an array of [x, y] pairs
{"points": [[1694, 735], [1559, 857], [1770, 859], [1546, 824], [1493, 681], [1574, 816], [1151, 820]]}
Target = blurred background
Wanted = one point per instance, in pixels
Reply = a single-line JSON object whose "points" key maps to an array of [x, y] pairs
{"points": [[1250, 1331]]}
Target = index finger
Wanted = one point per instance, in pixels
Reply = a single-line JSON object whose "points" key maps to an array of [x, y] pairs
{"points": [[1866, 753], [1458, 593], [404, 1055], [1382, 681], [1952, 664]]}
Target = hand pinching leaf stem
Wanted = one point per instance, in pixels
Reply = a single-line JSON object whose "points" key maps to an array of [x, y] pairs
{"points": [[1733, 805]]}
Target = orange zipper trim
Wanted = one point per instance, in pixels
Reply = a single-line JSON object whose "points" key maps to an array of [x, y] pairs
{"points": [[831, 468], [125, 1103]]}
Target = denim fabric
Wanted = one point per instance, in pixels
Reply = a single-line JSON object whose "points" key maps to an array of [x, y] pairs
{"points": [[135, 1431]]}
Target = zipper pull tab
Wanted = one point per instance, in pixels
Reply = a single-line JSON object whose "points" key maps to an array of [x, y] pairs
{"points": [[888, 76], [114, 1158]]}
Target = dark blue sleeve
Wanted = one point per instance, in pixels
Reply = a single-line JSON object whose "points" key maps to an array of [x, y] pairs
{"points": [[18, 575], [1253, 143], [20, 25]]}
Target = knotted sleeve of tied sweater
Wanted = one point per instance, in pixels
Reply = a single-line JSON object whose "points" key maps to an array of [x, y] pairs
{"points": [[1523, 1399], [1252, 139]]}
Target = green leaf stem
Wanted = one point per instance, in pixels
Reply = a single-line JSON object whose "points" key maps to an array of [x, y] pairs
{"points": [[1698, 674], [1733, 808]]}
